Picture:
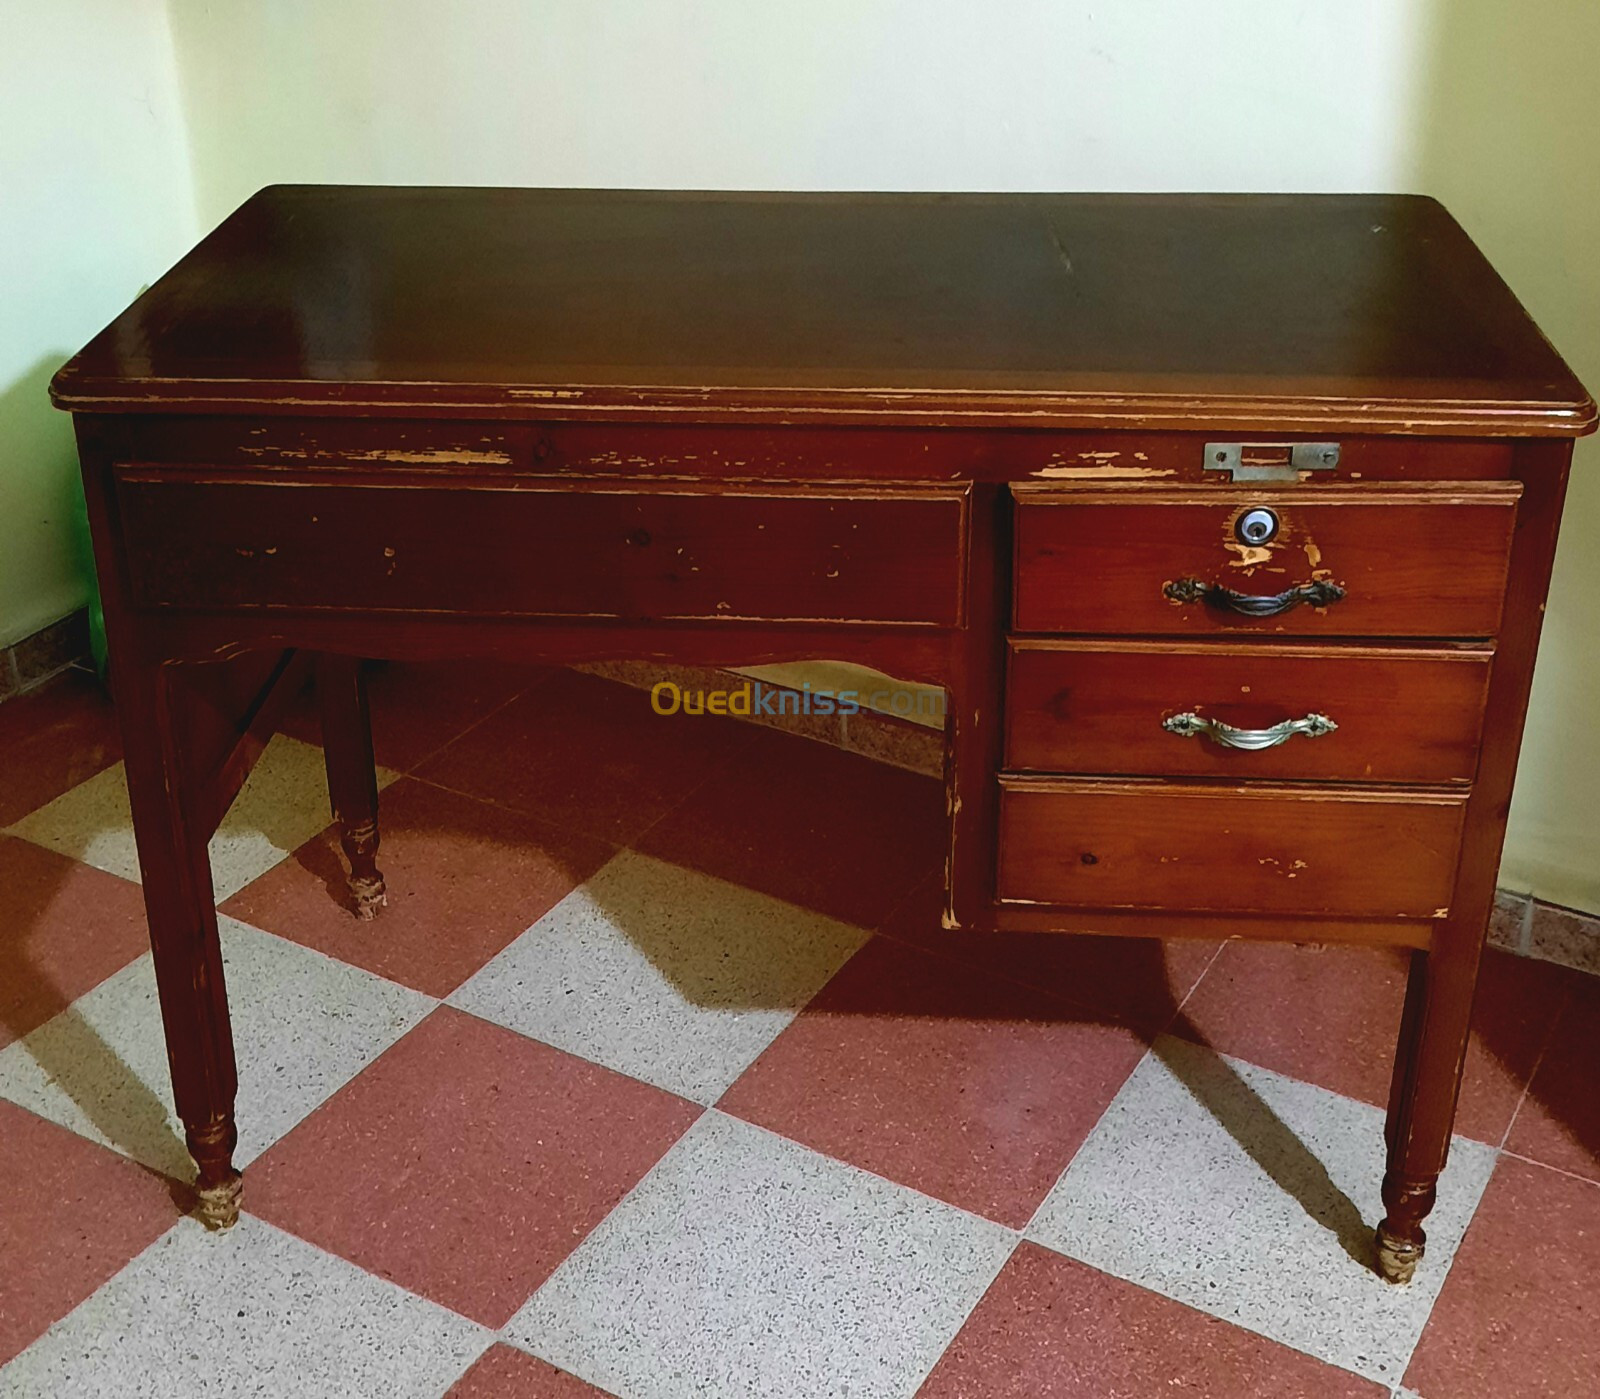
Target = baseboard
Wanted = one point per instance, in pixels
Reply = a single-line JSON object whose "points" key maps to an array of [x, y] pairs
{"points": [[1531, 927], [28, 663]]}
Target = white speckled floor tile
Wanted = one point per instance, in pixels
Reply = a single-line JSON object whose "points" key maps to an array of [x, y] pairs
{"points": [[280, 807], [304, 1024], [746, 1265], [1253, 1197], [251, 1312], [663, 973]]}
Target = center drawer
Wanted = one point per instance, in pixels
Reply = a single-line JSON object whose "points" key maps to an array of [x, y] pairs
{"points": [[219, 539], [1333, 560], [1242, 709]]}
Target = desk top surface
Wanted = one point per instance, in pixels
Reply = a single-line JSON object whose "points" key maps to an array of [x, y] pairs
{"points": [[1306, 312]]}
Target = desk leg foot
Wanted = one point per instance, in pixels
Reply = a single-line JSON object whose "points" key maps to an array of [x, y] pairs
{"points": [[360, 845], [218, 1186], [217, 1206], [1397, 1258], [1401, 1240]]}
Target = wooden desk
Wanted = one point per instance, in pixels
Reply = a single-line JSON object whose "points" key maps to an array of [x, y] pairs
{"points": [[1225, 522]]}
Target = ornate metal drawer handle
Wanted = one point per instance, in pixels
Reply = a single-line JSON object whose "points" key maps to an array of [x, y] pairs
{"points": [[1250, 740], [1318, 594]]}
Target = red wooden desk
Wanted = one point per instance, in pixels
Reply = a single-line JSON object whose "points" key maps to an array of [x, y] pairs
{"points": [[1226, 523]]}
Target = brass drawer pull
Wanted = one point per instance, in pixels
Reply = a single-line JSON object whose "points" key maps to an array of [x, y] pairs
{"points": [[1318, 594], [1250, 740]]}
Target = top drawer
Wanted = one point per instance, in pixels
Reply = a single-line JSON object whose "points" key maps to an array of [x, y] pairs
{"points": [[206, 540], [1338, 560]]}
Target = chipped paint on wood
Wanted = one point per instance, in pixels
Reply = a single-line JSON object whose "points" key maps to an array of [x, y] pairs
{"points": [[440, 456], [443, 456], [1102, 473], [1248, 555], [437, 457]]}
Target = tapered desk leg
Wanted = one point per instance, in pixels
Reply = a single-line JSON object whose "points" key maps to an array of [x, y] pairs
{"points": [[167, 801], [1422, 1100], [1438, 1012], [352, 775]]}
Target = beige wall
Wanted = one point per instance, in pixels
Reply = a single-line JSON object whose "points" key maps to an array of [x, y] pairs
{"points": [[1509, 137], [95, 200], [889, 94]]}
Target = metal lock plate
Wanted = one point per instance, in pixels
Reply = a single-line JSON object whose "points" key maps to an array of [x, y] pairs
{"points": [[1270, 461]]}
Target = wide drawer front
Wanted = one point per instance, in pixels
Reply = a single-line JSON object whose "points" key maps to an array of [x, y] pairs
{"points": [[1265, 849], [1341, 561], [532, 549], [1245, 710]]}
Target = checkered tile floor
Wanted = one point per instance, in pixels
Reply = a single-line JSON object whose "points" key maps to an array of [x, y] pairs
{"points": [[658, 1078]]}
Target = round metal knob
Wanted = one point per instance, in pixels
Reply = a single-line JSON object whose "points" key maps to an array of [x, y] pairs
{"points": [[1256, 526]]}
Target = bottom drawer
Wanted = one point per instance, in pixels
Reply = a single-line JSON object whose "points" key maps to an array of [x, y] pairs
{"points": [[1353, 852]]}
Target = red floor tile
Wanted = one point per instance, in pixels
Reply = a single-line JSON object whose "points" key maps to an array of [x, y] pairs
{"points": [[1518, 1311], [64, 928], [813, 825], [466, 1162], [71, 1215], [464, 879], [1136, 981], [418, 707], [507, 1373], [1052, 1328], [51, 740], [968, 1088], [1331, 1015], [1559, 1121], [586, 754]]}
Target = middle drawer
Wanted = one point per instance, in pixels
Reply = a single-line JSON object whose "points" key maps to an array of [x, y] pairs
{"points": [[1221, 709]]}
